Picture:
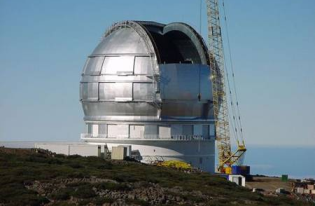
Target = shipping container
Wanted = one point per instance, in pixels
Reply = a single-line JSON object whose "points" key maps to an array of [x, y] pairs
{"points": [[284, 178], [240, 170]]}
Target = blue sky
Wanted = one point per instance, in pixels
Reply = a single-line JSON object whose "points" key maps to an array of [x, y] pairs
{"points": [[44, 45]]}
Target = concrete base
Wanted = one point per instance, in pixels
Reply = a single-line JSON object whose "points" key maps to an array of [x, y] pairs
{"points": [[200, 154], [81, 149]]}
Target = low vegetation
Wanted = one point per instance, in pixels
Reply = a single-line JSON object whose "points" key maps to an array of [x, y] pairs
{"points": [[31, 178]]}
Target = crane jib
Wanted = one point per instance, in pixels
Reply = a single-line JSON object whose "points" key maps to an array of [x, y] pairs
{"points": [[220, 106]]}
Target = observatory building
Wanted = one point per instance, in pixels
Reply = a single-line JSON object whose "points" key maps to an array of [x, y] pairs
{"points": [[148, 85]]}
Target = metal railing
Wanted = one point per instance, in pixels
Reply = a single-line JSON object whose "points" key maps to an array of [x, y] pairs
{"points": [[149, 137]]}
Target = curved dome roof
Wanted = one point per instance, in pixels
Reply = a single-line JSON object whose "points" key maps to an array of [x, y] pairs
{"points": [[171, 43], [146, 71]]}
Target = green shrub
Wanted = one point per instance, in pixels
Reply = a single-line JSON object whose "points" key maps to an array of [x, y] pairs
{"points": [[60, 156], [55, 161], [192, 198], [102, 166], [20, 170], [95, 159], [77, 175], [75, 165], [74, 157], [38, 158]]}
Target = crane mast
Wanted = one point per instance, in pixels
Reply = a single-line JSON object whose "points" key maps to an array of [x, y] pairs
{"points": [[220, 105]]}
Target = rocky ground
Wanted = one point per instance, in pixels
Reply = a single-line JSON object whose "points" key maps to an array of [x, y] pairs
{"points": [[138, 193], [31, 178]]}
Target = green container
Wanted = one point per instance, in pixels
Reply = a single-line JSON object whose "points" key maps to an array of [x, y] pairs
{"points": [[284, 178]]}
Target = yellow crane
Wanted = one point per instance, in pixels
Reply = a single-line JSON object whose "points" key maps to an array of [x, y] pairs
{"points": [[226, 157]]}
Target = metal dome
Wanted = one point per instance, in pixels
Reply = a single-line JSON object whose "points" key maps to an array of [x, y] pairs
{"points": [[149, 81], [130, 53]]}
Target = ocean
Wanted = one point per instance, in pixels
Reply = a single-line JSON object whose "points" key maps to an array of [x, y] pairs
{"points": [[297, 162]]}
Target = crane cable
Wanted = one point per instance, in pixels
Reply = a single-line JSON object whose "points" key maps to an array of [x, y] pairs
{"points": [[232, 119], [236, 124], [238, 121], [200, 18]]}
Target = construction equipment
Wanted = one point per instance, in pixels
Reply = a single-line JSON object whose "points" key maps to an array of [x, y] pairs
{"points": [[220, 106], [174, 164]]}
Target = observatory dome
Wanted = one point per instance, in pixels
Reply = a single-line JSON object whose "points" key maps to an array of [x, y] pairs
{"points": [[148, 85]]}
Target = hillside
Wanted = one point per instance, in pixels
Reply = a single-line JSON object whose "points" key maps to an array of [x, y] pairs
{"points": [[31, 178]]}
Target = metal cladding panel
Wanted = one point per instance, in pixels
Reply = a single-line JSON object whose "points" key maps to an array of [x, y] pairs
{"points": [[136, 131], [151, 131], [117, 78], [112, 91], [164, 132], [205, 131], [118, 65], [107, 91], [197, 129], [176, 129], [93, 66], [188, 130], [118, 131], [212, 130], [123, 90], [122, 131], [118, 109], [143, 66], [179, 82], [205, 83], [143, 91], [185, 109], [95, 130], [124, 40], [89, 128], [186, 91], [89, 91], [112, 130], [185, 82], [102, 129]]}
